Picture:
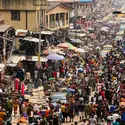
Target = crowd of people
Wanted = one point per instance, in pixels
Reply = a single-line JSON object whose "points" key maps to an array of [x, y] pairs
{"points": [[94, 87]]}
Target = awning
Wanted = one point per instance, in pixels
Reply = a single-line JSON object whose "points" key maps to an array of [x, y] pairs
{"points": [[11, 65], [21, 32], [44, 32], [32, 39], [42, 59], [3, 28], [14, 59]]}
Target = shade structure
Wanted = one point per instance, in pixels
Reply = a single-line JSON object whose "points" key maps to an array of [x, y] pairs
{"points": [[108, 46], [52, 51], [47, 52], [52, 78], [106, 29], [66, 46], [80, 50], [55, 57], [77, 41]]}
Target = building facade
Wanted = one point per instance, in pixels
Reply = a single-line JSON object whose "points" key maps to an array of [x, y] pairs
{"points": [[57, 16], [25, 14], [22, 14]]}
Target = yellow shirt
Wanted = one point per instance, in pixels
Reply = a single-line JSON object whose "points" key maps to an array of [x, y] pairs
{"points": [[63, 108], [2, 115]]}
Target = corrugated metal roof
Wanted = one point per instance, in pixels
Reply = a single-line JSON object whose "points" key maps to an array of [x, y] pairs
{"points": [[3, 28]]}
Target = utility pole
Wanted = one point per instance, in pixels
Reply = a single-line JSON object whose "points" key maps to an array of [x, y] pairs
{"points": [[43, 3], [40, 26]]}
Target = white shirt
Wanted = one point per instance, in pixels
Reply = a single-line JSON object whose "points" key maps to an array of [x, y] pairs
{"points": [[115, 117]]}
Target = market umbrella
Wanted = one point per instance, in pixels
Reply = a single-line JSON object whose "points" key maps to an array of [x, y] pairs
{"points": [[71, 90], [106, 29], [55, 57], [107, 46], [47, 52], [80, 70], [98, 48], [52, 78], [81, 99], [66, 46], [77, 41], [80, 50]]}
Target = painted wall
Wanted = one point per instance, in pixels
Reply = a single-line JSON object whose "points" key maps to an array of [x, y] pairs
{"points": [[58, 9], [31, 20]]}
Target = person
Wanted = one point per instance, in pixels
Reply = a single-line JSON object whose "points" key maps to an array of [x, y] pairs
{"points": [[76, 123], [9, 106], [103, 122], [2, 116], [92, 121], [63, 109], [72, 109], [116, 122], [84, 122], [123, 118], [15, 105]]}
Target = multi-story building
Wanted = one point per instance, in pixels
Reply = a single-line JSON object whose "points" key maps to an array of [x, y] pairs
{"points": [[21, 14], [25, 14]]}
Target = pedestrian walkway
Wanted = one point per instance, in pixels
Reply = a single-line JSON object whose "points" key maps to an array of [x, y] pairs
{"points": [[37, 97]]}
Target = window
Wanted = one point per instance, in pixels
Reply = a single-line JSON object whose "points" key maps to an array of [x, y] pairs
{"points": [[15, 15], [67, 16]]}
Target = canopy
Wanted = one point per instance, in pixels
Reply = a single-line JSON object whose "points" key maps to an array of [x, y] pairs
{"points": [[21, 32], [42, 59], [32, 39], [14, 59], [44, 32], [107, 46], [55, 57]]}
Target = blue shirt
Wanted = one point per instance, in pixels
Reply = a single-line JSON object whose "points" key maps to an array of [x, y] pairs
{"points": [[112, 108], [123, 116]]}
